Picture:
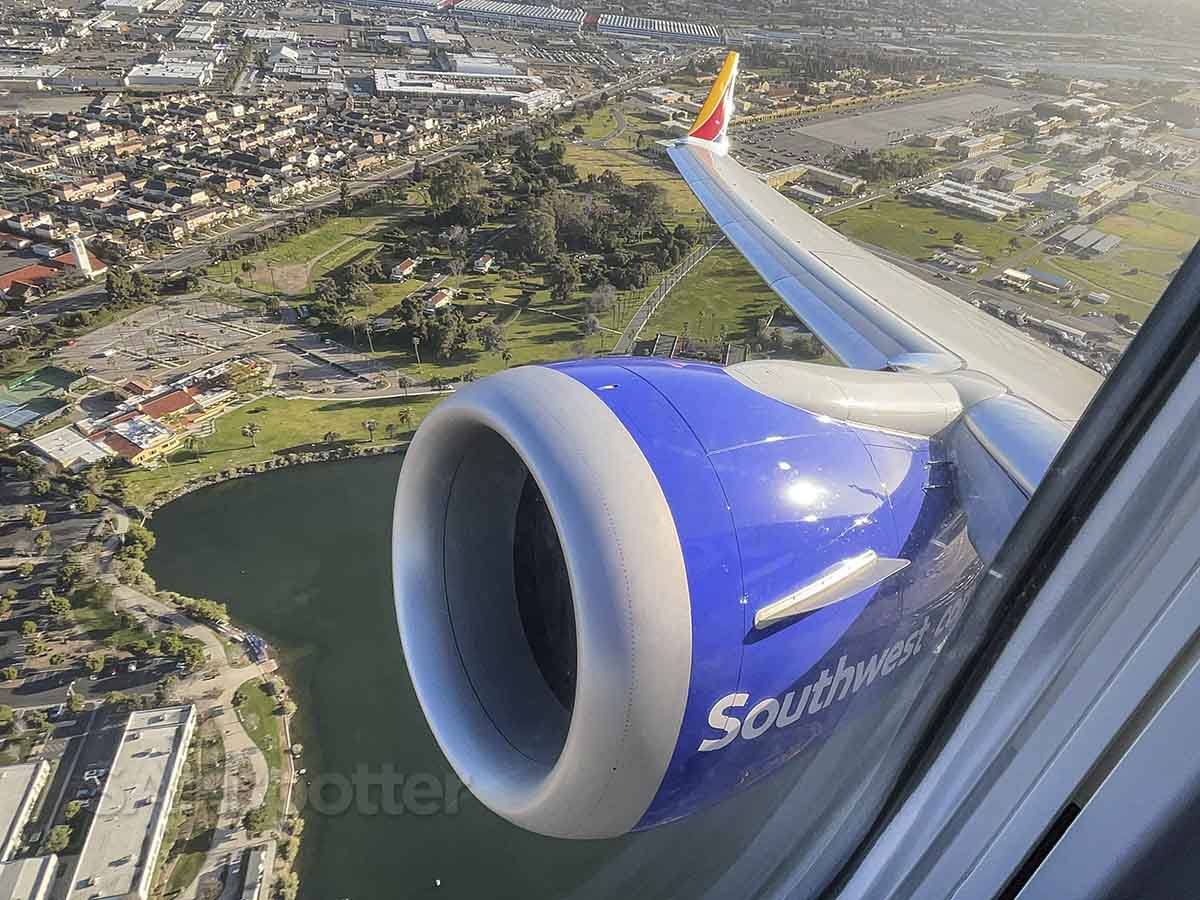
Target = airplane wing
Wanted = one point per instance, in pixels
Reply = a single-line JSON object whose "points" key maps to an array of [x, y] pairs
{"points": [[870, 313]]}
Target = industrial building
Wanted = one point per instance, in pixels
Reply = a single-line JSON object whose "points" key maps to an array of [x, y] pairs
{"points": [[122, 846], [169, 75], [212, 8], [974, 201], [658, 30], [521, 91], [420, 6], [480, 64], [271, 34], [519, 15], [28, 78], [126, 9], [28, 879], [196, 32], [20, 786]]}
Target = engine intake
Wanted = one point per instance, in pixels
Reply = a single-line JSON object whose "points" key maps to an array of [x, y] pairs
{"points": [[579, 554]]}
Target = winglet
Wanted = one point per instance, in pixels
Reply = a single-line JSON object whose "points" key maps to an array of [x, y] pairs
{"points": [[713, 122]]}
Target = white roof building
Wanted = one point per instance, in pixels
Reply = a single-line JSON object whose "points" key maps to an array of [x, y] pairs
{"points": [[122, 846], [20, 786], [69, 449], [28, 879]]}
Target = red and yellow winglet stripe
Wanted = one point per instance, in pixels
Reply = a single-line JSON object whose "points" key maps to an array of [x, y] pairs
{"points": [[714, 116]]}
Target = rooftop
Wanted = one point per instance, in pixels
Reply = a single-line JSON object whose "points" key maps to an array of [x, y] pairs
{"points": [[121, 848], [28, 879], [19, 789]]}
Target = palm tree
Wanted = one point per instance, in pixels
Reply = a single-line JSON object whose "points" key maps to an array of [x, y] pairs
{"points": [[332, 437], [251, 430], [391, 430], [469, 376], [506, 355], [406, 417], [436, 382], [370, 425], [404, 382]]}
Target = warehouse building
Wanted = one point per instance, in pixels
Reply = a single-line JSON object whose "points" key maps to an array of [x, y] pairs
{"points": [[28, 78], [418, 6], [271, 34], [971, 200], [213, 9], [20, 787], [665, 30], [169, 75], [519, 15], [196, 32], [122, 847]]}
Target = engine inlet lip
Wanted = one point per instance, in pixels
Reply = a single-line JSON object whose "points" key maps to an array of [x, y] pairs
{"points": [[620, 544]]}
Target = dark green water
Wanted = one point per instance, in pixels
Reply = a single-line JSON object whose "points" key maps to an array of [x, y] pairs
{"points": [[301, 556]]}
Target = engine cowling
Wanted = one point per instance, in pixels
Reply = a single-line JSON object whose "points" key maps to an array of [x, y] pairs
{"points": [[580, 552]]}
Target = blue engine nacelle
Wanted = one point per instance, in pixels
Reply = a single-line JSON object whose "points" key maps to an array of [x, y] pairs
{"points": [[629, 588]]}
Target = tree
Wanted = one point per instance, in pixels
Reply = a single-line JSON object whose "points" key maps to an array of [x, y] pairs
{"points": [[601, 299], [72, 810], [75, 702], [491, 337], [506, 356], [41, 542], [59, 606], [25, 569], [95, 663], [564, 277], [344, 197], [35, 719], [405, 416], [35, 516], [6, 717], [369, 426], [29, 628], [9, 673], [41, 487], [404, 383], [252, 430], [59, 839], [89, 503], [332, 437], [257, 820], [958, 237], [589, 326]]}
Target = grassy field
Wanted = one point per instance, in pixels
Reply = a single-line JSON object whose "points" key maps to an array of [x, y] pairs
{"points": [[904, 228], [1113, 274], [1146, 225], [257, 714], [286, 425], [289, 267], [722, 292]]}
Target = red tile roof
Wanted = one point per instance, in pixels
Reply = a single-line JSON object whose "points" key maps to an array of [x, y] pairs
{"points": [[167, 404]]}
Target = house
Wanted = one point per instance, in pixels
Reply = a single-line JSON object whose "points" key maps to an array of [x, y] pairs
{"points": [[441, 298], [484, 264], [402, 270]]}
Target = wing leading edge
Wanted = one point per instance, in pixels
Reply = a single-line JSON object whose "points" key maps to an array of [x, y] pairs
{"points": [[869, 313]]}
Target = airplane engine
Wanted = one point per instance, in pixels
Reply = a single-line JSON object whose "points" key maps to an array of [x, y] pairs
{"points": [[628, 588]]}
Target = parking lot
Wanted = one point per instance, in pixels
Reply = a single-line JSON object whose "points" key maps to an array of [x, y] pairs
{"points": [[165, 340], [826, 137]]}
